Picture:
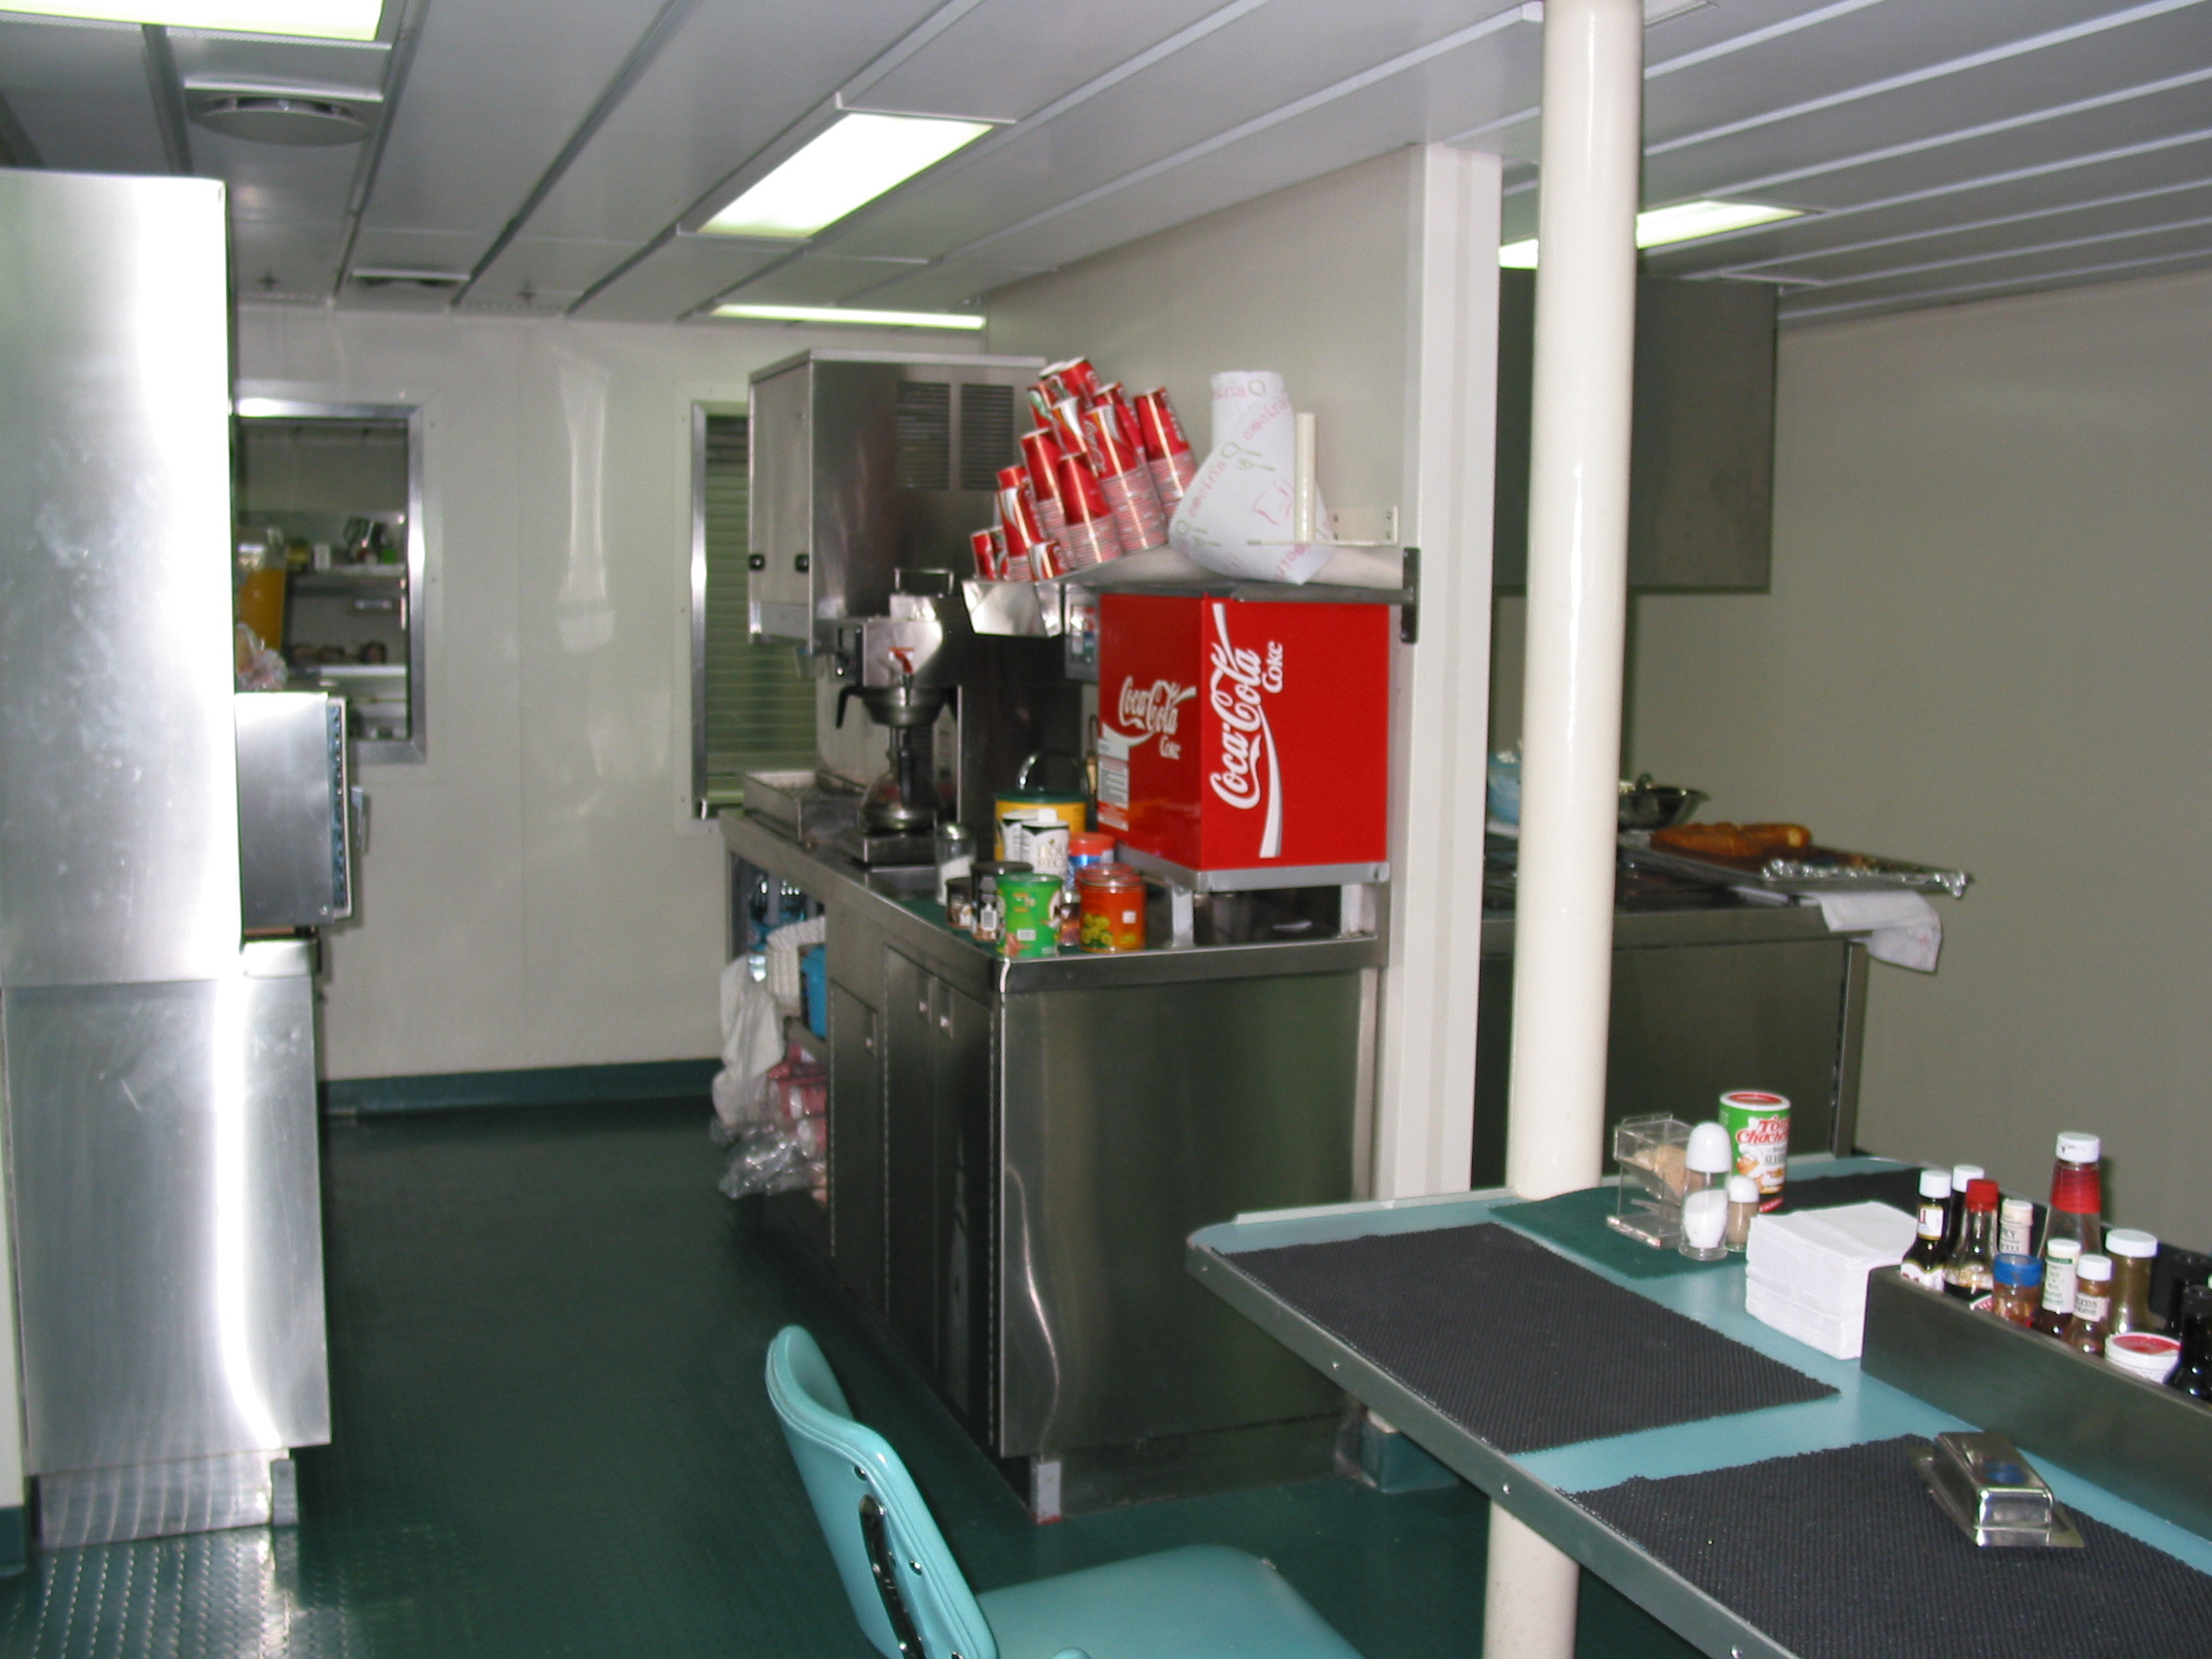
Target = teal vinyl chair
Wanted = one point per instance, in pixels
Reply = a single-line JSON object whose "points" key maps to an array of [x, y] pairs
{"points": [[1200, 1602]]}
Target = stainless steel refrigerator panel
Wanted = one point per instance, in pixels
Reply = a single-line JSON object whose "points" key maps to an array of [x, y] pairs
{"points": [[1132, 1116], [167, 1222], [295, 855], [118, 823]]}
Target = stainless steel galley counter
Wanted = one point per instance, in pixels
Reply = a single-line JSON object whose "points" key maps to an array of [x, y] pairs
{"points": [[1017, 1151]]}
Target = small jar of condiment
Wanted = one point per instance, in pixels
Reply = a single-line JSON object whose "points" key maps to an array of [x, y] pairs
{"points": [[989, 923], [960, 904], [2020, 1288], [1112, 907], [2016, 1228], [2060, 1257], [2091, 1323], [1088, 849], [2133, 1253], [1743, 1205]]}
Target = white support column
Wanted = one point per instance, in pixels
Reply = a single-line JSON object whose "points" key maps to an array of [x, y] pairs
{"points": [[1571, 704], [1424, 1102]]}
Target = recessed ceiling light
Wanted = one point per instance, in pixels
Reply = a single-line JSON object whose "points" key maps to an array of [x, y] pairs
{"points": [[863, 319], [307, 20], [1684, 221], [845, 167]]}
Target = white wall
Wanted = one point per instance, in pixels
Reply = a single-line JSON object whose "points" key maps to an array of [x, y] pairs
{"points": [[1374, 292], [1310, 281], [1987, 646], [535, 893]]}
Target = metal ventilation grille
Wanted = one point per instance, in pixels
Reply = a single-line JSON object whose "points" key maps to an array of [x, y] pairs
{"points": [[924, 422], [986, 435]]}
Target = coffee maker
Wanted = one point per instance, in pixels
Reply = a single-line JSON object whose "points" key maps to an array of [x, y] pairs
{"points": [[904, 667], [868, 472]]}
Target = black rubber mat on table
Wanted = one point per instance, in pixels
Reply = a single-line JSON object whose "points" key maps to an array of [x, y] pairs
{"points": [[1843, 1555], [1515, 1343]]}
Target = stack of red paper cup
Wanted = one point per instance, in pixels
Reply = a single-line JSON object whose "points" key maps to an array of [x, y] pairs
{"points": [[1099, 477]]}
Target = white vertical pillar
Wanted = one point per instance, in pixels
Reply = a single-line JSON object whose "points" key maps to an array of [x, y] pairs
{"points": [[1426, 1095], [1577, 592], [1571, 703]]}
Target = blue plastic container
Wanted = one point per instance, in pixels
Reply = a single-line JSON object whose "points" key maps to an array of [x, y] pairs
{"points": [[814, 988]]}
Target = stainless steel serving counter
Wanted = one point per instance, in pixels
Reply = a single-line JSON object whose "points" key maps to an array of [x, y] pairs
{"points": [[1017, 1149]]}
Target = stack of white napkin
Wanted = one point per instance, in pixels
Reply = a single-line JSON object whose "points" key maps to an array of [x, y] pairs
{"points": [[1806, 1272]]}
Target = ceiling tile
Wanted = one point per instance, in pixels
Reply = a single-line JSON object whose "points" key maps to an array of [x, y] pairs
{"points": [[284, 261], [548, 265], [733, 79], [1239, 74], [2164, 169], [495, 89], [676, 278], [81, 94], [1009, 58]]}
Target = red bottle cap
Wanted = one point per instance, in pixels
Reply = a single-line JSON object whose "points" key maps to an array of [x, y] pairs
{"points": [[1981, 1195]]}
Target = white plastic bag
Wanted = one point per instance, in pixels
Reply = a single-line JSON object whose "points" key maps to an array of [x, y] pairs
{"points": [[752, 1043]]}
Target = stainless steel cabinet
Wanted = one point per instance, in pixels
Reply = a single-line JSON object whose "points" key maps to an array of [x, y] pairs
{"points": [[856, 1147], [939, 1179]]}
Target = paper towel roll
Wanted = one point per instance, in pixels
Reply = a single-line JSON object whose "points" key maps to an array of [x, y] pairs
{"points": [[1236, 517]]}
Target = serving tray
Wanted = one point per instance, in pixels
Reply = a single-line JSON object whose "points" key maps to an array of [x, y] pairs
{"points": [[1801, 869]]}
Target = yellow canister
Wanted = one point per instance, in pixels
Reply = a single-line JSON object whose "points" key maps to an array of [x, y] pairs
{"points": [[1032, 823]]}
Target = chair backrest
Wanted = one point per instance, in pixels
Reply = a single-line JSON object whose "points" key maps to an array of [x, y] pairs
{"points": [[906, 1589]]}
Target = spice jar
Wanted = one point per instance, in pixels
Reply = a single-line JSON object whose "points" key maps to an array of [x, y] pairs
{"points": [[2016, 1227], [2091, 1323], [2060, 1257], [989, 923], [1743, 1205], [2132, 1252], [2020, 1288], [960, 904], [1086, 851], [1112, 907]]}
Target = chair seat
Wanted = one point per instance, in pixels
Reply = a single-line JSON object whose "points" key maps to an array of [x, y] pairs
{"points": [[1205, 1601]]}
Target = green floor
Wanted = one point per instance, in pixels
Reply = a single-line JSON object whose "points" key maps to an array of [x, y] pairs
{"points": [[546, 1338]]}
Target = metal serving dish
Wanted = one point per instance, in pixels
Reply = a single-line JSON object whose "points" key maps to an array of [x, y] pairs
{"points": [[1984, 1484], [1646, 806]]}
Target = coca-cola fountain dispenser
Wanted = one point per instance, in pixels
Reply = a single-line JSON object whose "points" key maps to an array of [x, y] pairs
{"points": [[1244, 743]]}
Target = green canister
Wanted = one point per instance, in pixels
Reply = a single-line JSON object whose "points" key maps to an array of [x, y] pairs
{"points": [[1032, 917]]}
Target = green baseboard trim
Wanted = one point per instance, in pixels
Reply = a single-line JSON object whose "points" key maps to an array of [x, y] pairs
{"points": [[539, 1086], [15, 1541]]}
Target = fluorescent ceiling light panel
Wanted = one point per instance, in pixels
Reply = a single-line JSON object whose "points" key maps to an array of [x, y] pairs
{"points": [[844, 314], [304, 19], [1684, 221], [845, 167]]}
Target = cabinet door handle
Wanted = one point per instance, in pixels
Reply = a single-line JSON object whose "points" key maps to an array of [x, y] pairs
{"points": [[756, 561], [801, 563]]}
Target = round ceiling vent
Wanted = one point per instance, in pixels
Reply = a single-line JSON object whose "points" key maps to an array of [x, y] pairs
{"points": [[269, 120]]}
